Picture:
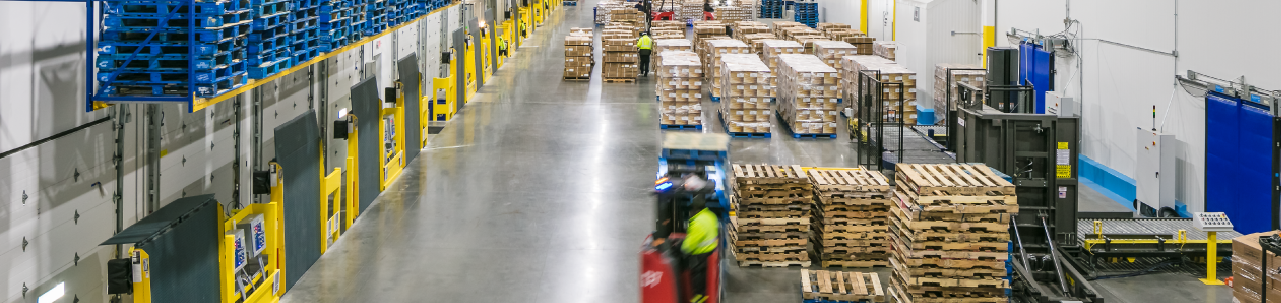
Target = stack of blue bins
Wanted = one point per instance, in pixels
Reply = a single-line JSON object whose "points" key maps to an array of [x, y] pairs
{"points": [[335, 25], [375, 17], [771, 9], [359, 20], [807, 12], [144, 50], [306, 31], [393, 12], [269, 42]]}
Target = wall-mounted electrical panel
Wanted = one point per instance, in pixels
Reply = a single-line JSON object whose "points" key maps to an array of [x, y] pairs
{"points": [[255, 234], [1154, 172]]}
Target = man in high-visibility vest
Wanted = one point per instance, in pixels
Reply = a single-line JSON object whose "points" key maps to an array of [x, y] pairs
{"points": [[502, 47], [700, 240], [523, 34], [645, 46]]}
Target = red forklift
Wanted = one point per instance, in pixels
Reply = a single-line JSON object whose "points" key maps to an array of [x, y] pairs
{"points": [[664, 277]]}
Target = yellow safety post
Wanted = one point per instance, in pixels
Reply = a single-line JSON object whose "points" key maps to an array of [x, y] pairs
{"points": [[330, 185], [353, 176], [1211, 258], [443, 109], [392, 161], [470, 70], [267, 288], [142, 288]]}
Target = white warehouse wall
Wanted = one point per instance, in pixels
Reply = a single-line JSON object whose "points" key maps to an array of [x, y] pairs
{"points": [[1122, 85], [842, 11]]}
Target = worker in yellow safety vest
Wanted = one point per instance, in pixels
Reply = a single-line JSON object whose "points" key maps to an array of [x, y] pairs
{"points": [[645, 47], [523, 34], [502, 47], [700, 241]]}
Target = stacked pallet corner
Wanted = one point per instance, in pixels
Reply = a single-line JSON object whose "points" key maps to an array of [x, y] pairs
{"points": [[679, 90], [771, 222], [951, 233]]}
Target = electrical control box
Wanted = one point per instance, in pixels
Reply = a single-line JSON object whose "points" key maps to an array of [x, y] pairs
{"points": [[240, 251], [1211, 222], [1055, 104], [255, 234], [1154, 174]]}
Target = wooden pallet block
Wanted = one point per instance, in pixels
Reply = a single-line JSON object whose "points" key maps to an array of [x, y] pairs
{"points": [[945, 282], [841, 286], [945, 272], [871, 206], [798, 200], [854, 214], [772, 228], [620, 80], [769, 235], [901, 247], [953, 178], [948, 263], [769, 207], [883, 242], [907, 222], [918, 290], [849, 180]]}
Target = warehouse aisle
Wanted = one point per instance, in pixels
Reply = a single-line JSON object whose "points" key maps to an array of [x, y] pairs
{"points": [[538, 191]]}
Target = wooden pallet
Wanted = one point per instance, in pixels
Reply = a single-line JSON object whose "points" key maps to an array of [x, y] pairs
{"points": [[947, 235], [773, 213], [841, 286], [859, 214], [774, 263], [909, 214], [948, 263], [620, 80], [739, 221], [768, 207], [768, 249], [953, 179], [882, 242], [771, 228], [903, 297], [772, 257], [856, 229], [901, 248], [846, 200], [944, 282], [908, 222], [945, 272], [578, 78], [854, 263], [772, 242], [852, 221], [945, 198], [882, 205], [842, 181], [768, 174]]}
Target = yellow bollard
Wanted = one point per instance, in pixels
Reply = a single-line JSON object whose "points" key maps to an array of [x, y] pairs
{"points": [[1211, 258]]}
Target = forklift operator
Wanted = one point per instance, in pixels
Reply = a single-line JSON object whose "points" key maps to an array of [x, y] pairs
{"points": [[699, 243]]}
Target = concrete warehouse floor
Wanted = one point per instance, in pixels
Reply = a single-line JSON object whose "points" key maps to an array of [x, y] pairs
{"points": [[538, 191]]}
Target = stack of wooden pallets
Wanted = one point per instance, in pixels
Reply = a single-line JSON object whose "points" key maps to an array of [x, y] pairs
{"points": [[821, 286], [851, 224], [951, 233], [771, 224]]}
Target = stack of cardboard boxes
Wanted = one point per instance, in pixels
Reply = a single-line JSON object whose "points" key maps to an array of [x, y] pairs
{"points": [[734, 13], [954, 73], [604, 9], [620, 60], [807, 94], [771, 49], [691, 10], [666, 30], [832, 51], [711, 55], [852, 36], [1255, 278], [747, 86], [757, 42], [885, 49], [808, 42], [897, 82], [679, 88], [778, 28], [665, 45], [825, 26], [708, 30], [578, 56]]}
